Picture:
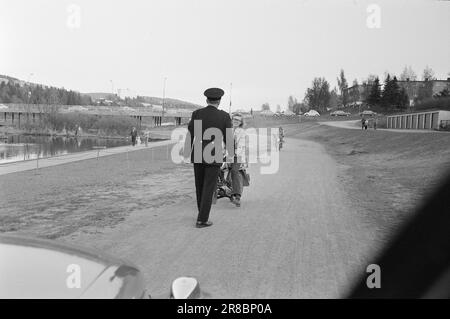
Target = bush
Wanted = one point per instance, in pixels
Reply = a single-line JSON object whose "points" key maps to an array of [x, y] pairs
{"points": [[114, 125], [382, 122], [85, 121], [54, 122], [59, 122], [444, 126]]}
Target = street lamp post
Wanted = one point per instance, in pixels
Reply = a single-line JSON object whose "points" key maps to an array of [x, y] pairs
{"points": [[231, 88], [112, 88], [29, 83], [29, 94], [164, 98], [29, 77], [29, 89]]}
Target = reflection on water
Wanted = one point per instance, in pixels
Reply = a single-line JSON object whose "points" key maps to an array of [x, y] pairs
{"points": [[25, 147]]}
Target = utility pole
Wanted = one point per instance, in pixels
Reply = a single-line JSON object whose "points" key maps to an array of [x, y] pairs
{"points": [[164, 98], [112, 87], [29, 77], [122, 90], [231, 88], [29, 84]]}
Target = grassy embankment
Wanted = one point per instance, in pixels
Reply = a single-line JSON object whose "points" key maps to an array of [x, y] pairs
{"points": [[91, 194]]}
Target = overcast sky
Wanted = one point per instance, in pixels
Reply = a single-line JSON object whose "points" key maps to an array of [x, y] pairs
{"points": [[267, 49]]}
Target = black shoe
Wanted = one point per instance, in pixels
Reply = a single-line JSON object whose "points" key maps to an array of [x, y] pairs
{"points": [[236, 200], [203, 224]]}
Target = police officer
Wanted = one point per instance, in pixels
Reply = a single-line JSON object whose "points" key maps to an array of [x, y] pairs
{"points": [[203, 149]]}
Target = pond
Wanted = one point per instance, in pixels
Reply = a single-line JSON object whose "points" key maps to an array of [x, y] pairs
{"points": [[15, 148]]}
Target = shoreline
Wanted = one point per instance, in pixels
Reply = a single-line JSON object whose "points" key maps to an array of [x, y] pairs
{"points": [[8, 131]]}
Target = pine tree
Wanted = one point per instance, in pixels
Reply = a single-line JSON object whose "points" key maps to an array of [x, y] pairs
{"points": [[391, 92], [386, 95], [403, 99], [342, 84], [374, 96]]}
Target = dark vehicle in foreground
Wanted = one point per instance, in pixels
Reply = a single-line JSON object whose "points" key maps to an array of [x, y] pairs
{"points": [[42, 269]]}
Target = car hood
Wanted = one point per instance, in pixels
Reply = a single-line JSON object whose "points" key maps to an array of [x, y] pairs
{"points": [[35, 268]]}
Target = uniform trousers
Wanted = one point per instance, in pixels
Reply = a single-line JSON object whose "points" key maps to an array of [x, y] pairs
{"points": [[205, 184]]}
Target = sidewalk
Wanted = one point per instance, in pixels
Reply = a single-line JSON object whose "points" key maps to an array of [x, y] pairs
{"points": [[15, 167]]}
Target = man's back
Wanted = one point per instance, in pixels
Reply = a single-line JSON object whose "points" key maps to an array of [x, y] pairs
{"points": [[210, 117]]}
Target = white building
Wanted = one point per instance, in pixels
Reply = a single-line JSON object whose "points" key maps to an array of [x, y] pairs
{"points": [[431, 120]]}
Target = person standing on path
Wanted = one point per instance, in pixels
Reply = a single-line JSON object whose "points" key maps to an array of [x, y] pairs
{"points": [[207, 130], [146, 137], [134, 134], [238, 172]]}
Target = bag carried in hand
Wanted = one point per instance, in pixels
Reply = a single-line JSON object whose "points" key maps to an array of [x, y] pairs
{"points": [[246, 178]]}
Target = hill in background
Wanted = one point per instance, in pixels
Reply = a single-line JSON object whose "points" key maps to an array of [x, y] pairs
{"points": [[14, 90], [169, 103]]}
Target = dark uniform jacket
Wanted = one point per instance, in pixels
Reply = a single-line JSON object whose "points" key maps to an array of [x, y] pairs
{"points": [[210, 117]]}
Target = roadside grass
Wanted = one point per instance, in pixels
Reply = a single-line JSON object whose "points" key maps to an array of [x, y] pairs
{"points": [[60, 200], [259, 121]]}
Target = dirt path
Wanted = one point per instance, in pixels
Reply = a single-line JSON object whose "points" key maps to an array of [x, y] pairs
{"points": [[295, 236]]}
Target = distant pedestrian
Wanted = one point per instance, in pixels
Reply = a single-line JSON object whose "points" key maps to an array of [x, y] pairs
{"points": [[363, 123], [280, 137], [134, 134], [146, 137], [375, 120]]}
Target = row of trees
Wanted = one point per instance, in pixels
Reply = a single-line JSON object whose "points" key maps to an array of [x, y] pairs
{"points": [[320, 97], [13, 92], [409, 74], [68, 122], [392, 96]]}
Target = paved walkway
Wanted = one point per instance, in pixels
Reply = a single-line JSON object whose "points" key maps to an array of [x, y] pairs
{"points": [[8, 168]]}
